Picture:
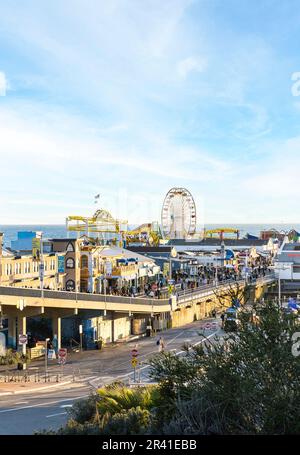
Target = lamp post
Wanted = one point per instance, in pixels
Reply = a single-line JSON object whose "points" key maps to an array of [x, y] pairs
{"points": [[80, 334], [46, 357], [42, 268]]}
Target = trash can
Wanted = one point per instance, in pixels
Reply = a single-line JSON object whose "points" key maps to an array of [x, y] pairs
{"points": [[100, 344], [148, 331], [21, 366]]}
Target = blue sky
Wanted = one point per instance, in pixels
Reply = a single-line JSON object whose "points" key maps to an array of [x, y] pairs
{"points": [[128, 98]]}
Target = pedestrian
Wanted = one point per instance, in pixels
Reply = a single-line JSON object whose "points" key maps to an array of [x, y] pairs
{"points": [[223, 319], [161, 344]]}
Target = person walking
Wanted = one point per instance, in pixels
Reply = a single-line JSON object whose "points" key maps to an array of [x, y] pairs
{"points": [[223, 319], [161, 344]]}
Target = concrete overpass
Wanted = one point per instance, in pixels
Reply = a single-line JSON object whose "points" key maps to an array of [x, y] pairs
{"points": [[17, 304]]}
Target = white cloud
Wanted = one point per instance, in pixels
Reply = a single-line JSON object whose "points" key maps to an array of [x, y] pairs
{"points": [[185, 66], [3, 84]]}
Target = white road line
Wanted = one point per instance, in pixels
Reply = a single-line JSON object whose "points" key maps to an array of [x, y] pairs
{"points": [[22, 402], [57, 414], [177, 353], [42, 404]]}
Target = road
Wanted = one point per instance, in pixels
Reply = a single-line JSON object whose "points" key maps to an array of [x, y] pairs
{"points": [[27, 413]]}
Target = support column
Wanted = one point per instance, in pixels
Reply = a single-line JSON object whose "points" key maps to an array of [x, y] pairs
{"points": [[56, 328], [12, 333], [22, 330]]}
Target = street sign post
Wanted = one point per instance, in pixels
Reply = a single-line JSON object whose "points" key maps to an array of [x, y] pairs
{"points": [[23, 339], [62, 356], [134, 362]]}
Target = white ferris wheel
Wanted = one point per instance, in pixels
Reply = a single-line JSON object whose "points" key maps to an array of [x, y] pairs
{"points": [[178, 215]]}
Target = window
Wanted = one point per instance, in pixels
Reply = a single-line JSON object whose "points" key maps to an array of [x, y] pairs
{"points": [[70, 285], [84, 262], [70, 263], [70, 247]]}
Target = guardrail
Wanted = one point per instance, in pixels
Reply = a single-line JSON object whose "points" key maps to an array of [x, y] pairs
{"points": [[82, 296], [196, 292], [79, 296]]}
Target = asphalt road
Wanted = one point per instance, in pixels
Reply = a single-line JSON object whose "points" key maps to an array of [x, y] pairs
{"points": [[27, 413]]}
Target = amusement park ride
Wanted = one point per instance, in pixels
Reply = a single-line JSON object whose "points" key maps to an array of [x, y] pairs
{"points": [[178, 221], [219, 233], [104, 225]]}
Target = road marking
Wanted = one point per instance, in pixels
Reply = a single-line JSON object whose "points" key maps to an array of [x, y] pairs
{"points": [[171, 341], [66, 406], [22, 402], [42, 404], [57, 414], [177, 353]]}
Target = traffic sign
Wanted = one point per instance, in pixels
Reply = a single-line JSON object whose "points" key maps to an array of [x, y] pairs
{"points": [[62, 352], [134, 353], [23, 339], [134, 362], [62, 360], [62, 356]]}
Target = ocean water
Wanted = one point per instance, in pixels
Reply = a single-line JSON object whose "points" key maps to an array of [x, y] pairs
{"points": [[59, 230]]}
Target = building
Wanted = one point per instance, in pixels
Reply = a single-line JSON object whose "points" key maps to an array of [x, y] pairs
{"points": [[287, 267], [23, 270], [214, 244], [23, 244]]}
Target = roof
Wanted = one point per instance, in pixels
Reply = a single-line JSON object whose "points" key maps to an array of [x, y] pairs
{"points": [[151, 249], [295, 246], [61, 240], [108, 251]]}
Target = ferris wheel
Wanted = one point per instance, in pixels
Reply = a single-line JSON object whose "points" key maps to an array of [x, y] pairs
{"points": [[178, 215]]}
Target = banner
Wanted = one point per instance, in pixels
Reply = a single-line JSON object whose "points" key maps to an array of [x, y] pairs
{"points": [[61, 264], [36, 248]]}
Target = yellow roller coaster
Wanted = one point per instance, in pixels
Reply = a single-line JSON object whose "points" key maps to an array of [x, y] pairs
{"points": [[102, 222], [219, 233]]}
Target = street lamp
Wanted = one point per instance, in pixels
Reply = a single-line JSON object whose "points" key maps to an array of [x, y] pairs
{"points": [[42, 269], [80, 334], [46, 357]]}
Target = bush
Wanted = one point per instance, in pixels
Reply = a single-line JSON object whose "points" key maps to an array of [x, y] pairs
{"points": [[13, 357], [132, 422], [84, 410]]}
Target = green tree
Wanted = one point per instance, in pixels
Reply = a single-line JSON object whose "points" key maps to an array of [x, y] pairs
{"points": [[245, 383]]}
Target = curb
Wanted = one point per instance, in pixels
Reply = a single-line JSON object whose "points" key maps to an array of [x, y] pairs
{"points": [[34, 390]]}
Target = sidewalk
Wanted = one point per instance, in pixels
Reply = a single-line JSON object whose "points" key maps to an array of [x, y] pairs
{"points": [[14, 388]]}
